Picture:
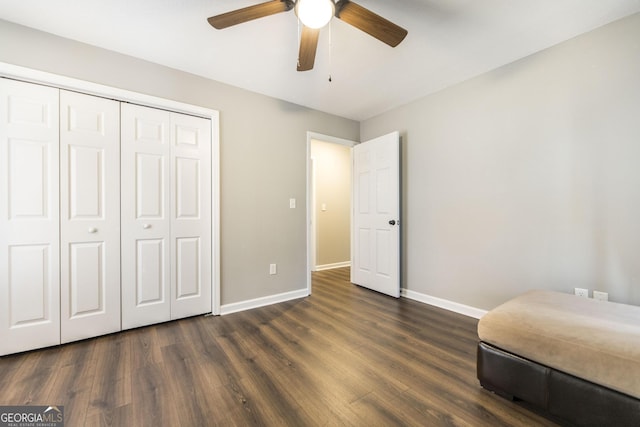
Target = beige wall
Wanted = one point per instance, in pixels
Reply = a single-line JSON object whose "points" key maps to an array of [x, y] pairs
{"points": [[332, 163], [263, 154], [527, 176]]}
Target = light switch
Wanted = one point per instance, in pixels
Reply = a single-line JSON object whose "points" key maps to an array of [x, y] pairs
{"points": [[292, 203], [323, 207]]}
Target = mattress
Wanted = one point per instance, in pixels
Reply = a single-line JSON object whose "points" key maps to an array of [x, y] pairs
{"points": [[598, 341]]}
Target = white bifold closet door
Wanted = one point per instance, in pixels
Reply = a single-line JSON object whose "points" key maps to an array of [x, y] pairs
{"points": [[89, 216], [166, 215], [190, 216], [29, 217]]}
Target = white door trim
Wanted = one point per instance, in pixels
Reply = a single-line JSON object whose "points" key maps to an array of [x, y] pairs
{"points": [[49, 79], [310, 220], [312, 246]]}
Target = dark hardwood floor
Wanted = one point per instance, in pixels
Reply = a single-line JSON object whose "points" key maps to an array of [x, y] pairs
{"points": [[343, 356]]}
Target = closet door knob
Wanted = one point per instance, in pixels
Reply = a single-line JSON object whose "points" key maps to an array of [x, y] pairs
{"points": [[146, 226], [92, 230]]}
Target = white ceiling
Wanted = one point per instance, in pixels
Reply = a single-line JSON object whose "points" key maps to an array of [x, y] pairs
{"points": [[449, 41]]}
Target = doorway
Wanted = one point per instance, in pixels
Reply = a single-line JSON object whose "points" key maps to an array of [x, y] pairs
{"points": [[329, 200]]}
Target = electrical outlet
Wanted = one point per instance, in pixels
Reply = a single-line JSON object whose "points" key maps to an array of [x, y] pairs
{"points": [[581, 292], [272, 269], [600, 296]]}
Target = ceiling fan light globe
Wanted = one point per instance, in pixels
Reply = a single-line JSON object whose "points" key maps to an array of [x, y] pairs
{"points": [[315, 13]]}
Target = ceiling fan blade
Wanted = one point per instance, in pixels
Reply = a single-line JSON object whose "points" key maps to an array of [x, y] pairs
{"points": [[372, 24], [250, 13], [308, 46]]}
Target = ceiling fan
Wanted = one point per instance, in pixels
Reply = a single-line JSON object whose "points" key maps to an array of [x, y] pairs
{"points": [[315, 14]]}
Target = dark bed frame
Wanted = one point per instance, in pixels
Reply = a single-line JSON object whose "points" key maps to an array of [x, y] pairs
{"points": [[564, 397]]}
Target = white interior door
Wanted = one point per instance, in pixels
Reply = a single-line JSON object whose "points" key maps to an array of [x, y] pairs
{"points": [[376, 214], [145, 215], [190, 215], [29, 217], [89, 216]]}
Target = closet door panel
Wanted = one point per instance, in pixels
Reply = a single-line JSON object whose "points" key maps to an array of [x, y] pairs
{"points": [[29, 284], [150, 186], [145, 198], [190, 216], [90, 215], [188, 259], [150, 280], [87, 279], [29, 217]]}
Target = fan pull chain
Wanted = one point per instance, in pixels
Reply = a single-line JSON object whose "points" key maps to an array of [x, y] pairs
{"points": [[330, 47], [298, 39]]}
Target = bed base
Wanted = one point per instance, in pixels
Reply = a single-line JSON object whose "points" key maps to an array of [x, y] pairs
{"points": [[562, 396]]}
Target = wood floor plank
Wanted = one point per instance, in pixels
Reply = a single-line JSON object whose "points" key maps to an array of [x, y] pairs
{"points": [[111, 363], [112, 417], [153, 399], [30, 388], [345, 356], [72, 390]]}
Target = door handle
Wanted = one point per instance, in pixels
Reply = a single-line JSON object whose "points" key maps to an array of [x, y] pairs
{"points": [[146, 226], [392, 222], [92, 230]]}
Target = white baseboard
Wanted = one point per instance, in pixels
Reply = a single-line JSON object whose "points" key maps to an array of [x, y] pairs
{"points": [[302, 293], [443, 303], [334, 265], [261, 302]]}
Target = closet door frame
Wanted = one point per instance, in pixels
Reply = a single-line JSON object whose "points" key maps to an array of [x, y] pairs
{"points": [[62, 82]]}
